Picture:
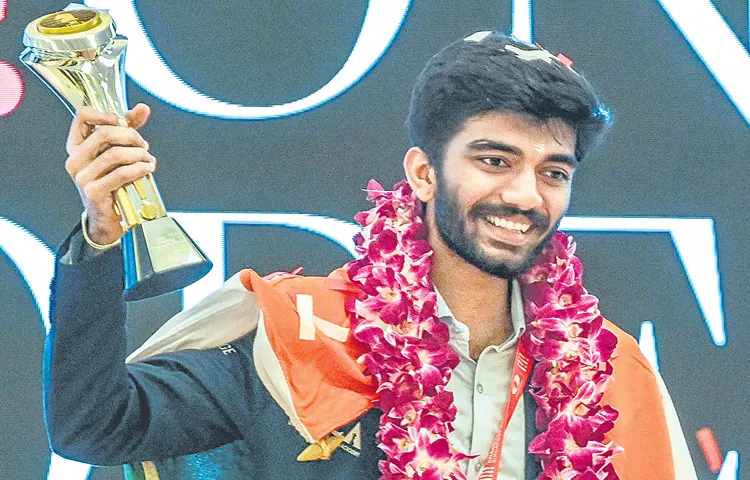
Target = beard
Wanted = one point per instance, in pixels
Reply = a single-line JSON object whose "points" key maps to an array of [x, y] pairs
{"points": [[453, 227]]}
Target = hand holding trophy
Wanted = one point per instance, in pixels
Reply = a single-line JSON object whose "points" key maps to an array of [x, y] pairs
{"points": [[78, 55]]}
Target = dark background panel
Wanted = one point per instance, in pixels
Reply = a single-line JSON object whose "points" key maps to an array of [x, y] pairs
{"points": [[678, 147]]}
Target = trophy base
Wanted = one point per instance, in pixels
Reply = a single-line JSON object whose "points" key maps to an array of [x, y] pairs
{"points": [[159, 258]]}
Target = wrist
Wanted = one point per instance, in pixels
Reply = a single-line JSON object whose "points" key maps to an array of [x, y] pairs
{"points": [[95, 240]]}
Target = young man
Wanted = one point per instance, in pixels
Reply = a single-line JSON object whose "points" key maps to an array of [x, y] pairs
{"points": [[409, 362]]}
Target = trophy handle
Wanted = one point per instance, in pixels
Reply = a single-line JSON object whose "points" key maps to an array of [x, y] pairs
{"points": [[139, 202]]}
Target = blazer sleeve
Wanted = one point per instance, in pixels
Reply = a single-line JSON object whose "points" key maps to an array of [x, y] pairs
{"points": [[101, 411]]}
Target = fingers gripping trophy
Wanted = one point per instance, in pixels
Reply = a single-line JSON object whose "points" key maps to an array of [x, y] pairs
{"points": [[79, 56]]}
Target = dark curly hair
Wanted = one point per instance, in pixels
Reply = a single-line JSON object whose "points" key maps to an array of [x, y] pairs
{"points": [[478, 74]]}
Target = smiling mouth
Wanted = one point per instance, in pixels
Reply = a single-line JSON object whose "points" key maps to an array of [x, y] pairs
{"points": [[507, 233], [506, 224]]}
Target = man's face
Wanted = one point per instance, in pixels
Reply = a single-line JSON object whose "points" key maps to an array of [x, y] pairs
{"points": [[503, 189]]}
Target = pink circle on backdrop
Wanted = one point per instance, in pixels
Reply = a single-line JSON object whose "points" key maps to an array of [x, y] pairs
{"points": [[11, 88]]}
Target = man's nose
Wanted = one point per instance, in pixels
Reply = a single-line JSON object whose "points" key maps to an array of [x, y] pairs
{"points": [[522, 191]]}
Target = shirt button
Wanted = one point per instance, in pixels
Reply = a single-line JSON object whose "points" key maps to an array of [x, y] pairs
{"points": [[480, 388], [477, 466]]}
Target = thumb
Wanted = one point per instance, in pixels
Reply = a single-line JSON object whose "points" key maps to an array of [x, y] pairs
{"points": [[138, 115]]}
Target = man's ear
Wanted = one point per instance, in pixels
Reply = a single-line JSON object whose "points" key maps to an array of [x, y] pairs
{"points": [[420, 173]]}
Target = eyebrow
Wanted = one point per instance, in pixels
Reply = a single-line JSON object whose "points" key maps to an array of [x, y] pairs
{"points": [[484, 144]]}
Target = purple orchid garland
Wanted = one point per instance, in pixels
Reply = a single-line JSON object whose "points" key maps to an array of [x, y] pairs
{"points": [[411, 360]]}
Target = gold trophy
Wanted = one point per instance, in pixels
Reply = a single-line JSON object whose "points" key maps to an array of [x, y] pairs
{"points": [[79, 56]]}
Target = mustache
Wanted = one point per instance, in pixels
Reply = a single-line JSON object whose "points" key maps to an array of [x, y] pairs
{"points": [[535, 217]]}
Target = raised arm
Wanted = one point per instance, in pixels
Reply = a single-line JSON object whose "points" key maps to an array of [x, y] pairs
{"points": [[98, 409]]}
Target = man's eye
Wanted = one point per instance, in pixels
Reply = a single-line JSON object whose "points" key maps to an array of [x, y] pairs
{"points": [[558, 175], [494, 161]]}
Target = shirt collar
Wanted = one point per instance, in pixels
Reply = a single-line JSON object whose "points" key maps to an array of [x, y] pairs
{"points": [[517, 318]]}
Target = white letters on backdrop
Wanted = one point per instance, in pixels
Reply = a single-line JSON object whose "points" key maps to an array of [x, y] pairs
{"points": [[698, 21], [144, 64]]}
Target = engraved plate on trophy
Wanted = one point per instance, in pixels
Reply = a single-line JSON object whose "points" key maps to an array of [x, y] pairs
{"points": [[79, 56]]}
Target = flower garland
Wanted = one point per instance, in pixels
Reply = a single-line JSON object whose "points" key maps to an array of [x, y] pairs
{"points": [[564, 335], [411, 360]]}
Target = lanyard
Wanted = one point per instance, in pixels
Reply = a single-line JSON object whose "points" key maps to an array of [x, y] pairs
{"points": [[521, 371]]}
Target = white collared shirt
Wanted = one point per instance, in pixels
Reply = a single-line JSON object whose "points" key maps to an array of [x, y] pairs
{"points": [[480, 391]]}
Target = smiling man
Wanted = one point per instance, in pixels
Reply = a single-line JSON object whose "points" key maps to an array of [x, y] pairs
{"points": [[461, 344]]}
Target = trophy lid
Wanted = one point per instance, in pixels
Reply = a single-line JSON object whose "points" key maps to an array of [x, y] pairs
{"points": [[66, 30]]}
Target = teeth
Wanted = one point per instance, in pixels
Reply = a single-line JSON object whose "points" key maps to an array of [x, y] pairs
{"points": [[507, 224]]}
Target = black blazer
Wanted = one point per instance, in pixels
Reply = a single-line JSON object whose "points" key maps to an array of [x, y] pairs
{"points": [[194, 414]]}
